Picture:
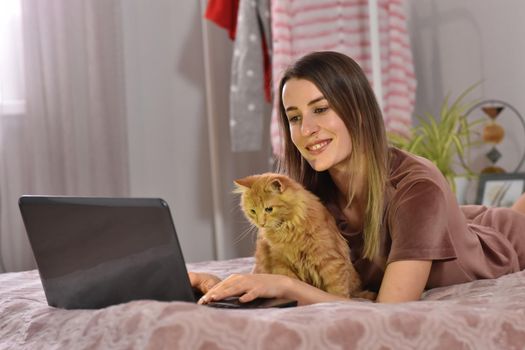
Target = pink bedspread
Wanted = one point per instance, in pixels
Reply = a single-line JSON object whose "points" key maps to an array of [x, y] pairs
{"points": [[487, 314]]}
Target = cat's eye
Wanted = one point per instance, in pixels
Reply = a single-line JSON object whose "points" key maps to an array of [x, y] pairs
{"points": [[268, 210], [252, 211]]}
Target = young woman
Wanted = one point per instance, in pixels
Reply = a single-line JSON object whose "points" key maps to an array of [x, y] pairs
{"points": [[402, 222]]}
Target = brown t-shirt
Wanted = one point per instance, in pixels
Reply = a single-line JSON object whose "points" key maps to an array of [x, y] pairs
{"points": [[423, 221]]}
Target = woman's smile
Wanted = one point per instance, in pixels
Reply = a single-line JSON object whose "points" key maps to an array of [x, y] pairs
{"points": [[318, 147], [315, 128]]}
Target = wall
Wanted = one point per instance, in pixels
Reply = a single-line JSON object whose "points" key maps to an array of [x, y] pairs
{"points": [[169, 143], [458, 43], [167, 133]]}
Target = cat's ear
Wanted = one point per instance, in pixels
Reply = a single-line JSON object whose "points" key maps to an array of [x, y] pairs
{"points": [[277, 185], [245, 182]]}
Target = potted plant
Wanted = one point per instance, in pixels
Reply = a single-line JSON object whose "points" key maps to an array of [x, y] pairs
{"points": [[442, 138]]}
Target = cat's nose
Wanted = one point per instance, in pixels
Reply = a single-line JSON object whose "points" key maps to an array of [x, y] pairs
{"points": [[260, 220], [263, 220]]}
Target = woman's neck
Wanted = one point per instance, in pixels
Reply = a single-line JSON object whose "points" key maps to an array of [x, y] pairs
{"points": [[341, 179], [354, 212]]}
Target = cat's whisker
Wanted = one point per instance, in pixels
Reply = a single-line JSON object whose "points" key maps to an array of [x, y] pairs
{"points": [[235, 210], [251, 230]]}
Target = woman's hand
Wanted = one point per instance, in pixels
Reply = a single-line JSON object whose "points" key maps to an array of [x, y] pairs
{"points": [[248, 287], [203, 281]]}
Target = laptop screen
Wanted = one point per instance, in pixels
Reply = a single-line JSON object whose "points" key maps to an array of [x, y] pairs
{"points": [[94, 252]]}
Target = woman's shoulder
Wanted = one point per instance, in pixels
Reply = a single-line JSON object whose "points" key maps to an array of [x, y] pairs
{"points": [[407, 168], [415, 181]]}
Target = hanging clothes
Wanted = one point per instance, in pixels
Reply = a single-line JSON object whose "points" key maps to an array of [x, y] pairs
{"points": [[248, 106], [301, 27], [248, 24], [224, 14]]}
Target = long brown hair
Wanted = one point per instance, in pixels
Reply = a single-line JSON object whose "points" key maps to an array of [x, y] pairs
{"points": [[348, 92]]}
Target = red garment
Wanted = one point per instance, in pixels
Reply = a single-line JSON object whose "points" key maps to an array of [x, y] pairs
{"points": [[224, 14]]}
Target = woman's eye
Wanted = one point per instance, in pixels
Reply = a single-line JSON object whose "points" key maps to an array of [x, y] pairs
{"points": [[320, 110], [293, 119], [268, 210]]}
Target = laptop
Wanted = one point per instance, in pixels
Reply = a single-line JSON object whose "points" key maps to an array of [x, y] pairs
{"points": [[93, 252]]}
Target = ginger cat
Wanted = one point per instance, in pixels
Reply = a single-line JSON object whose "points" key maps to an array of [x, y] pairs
{"points": [[297, 237]]}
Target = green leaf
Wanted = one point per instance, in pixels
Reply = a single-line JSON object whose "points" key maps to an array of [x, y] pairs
{"points": [[442, 137]]}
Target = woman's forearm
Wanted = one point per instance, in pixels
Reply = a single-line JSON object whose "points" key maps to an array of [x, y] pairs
{"points": [[306, 294], [253, 285]]}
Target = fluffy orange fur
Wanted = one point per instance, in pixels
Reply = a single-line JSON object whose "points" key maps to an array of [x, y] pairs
{"points": [[297, 237]]}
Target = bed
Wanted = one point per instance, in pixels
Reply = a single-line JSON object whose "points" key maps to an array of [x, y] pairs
{"points": [[485, 314]]}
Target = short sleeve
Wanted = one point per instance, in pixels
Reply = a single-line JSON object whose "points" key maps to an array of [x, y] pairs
{"points": [[418, 223]]}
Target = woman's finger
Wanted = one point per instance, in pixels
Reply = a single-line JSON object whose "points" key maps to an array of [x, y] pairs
{"points": [[232, 286], [248, 296], [194, 279], [203, 281]]}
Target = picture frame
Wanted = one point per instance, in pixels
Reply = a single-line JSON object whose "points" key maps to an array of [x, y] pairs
{"points": [[500, 190]]}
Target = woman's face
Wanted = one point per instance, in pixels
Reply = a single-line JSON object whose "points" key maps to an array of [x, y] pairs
{"points": [[317, 131]]}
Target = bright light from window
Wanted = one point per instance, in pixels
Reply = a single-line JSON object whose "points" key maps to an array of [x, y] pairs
{"points": [[10, 8], [12, 89]]}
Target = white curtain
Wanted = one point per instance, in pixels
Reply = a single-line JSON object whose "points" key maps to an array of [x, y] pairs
{"points": [[71, 137]]}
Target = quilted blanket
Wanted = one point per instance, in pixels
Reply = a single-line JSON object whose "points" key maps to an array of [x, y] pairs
{"points": [[485, 314]]}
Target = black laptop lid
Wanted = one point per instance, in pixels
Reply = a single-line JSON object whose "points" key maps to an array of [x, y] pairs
{"points": [[93, 252]]}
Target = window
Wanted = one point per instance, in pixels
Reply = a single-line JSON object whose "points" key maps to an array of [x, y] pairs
{"points": [[12, 87]]}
